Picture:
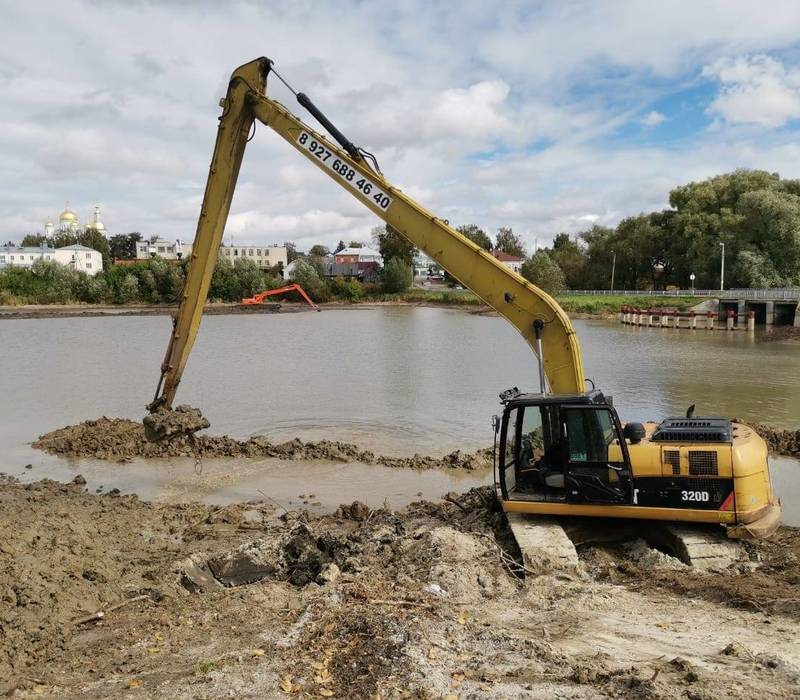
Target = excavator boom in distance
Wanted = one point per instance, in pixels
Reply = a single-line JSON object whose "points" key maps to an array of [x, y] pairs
{"points": [[562, 450]]}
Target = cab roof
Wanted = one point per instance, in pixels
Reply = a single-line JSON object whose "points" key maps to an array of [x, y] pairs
{"points": [[593, 397]]}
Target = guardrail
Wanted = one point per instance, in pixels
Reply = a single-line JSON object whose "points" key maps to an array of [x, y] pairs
{"points": [[788, 294]]}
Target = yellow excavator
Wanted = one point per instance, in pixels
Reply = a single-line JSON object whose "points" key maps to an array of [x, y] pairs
{"points": [[562, 451]]}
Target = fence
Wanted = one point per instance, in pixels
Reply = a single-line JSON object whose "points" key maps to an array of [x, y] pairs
{"points": [[790, 294]]}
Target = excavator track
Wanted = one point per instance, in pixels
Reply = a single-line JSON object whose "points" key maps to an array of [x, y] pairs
{"points": [[698, 547], [545, 546], [549, 547]]}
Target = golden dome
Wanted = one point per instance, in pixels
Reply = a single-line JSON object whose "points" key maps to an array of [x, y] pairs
{"points": [[67, 215]]}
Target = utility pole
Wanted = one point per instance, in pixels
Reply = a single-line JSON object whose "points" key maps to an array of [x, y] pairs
{"points": [[722, 269], [613, 269]]}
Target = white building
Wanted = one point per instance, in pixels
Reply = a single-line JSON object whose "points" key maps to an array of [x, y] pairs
{"points": [[78, 257], [162, 248], [423, 264], [263, 256]]}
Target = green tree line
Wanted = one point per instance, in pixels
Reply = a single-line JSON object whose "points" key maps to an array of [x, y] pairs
{"points": [[754, 213], [157, 281]]}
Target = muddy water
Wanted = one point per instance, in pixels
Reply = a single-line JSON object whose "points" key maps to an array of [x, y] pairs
{"points": [[396, 380]]}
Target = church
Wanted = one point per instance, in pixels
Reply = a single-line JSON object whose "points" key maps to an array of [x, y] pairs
{"points": [[68, 222]]}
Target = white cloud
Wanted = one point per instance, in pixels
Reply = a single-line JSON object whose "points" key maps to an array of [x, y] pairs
{"points": [[652, 118], [755, 90], [494, 114]]}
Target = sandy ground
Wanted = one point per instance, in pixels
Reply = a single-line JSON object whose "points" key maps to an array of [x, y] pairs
{"points": [[423, 603]]}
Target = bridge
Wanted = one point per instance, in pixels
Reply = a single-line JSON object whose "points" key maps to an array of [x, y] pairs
{"points": [[778, 307]]}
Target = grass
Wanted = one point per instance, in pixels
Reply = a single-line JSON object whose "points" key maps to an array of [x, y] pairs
{"points": [[611, 303], [606, 304]]}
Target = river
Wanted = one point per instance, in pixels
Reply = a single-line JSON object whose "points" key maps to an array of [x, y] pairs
{"points": [[397, 380]]}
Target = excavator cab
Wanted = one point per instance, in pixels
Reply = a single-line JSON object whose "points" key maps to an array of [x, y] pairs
{"points": [[562, 449]]}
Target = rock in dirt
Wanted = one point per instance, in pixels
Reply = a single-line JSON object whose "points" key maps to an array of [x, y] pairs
{"points": [[648, 558], [164, 424], [121, 439], [249, 563]]}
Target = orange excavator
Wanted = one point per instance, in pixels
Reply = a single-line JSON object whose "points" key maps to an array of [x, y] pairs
{"points": [[261, 296]]}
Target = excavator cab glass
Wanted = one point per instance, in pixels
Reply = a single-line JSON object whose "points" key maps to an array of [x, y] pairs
{"points": [[563, 450]]}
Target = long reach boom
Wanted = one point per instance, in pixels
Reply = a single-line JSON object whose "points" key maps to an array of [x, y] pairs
{"points": [[524, 305]]}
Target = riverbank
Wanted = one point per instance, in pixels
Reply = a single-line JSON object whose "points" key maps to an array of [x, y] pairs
{"points": [[120, 439], [577, 306], [109, 596]]}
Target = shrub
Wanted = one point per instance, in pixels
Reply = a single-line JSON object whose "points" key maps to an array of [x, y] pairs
{"points": [[127, 289], [351, 289], [396, 276]]}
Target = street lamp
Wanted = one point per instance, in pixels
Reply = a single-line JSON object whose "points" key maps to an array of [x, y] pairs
{"points": [[722, 269], [613, 269], [691, 277]]}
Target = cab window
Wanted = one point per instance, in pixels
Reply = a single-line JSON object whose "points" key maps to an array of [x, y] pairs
{"points": [[589, 434], [510, 455]]}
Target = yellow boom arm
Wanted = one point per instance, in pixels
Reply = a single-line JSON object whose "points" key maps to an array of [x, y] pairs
{"points": [[513, 297]]}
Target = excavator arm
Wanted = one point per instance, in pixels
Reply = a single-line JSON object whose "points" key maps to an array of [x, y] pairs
{"points": [[530, 310]]}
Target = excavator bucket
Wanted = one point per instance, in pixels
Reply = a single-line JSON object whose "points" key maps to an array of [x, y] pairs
{"points": [[164, 424]]}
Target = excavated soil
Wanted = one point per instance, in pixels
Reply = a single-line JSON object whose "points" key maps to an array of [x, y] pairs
{"points": [[120, 439], [109, 596]]}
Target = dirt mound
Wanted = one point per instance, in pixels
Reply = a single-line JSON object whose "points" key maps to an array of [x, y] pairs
{"points": [[362, 604], [780, 441], [121, 439]]}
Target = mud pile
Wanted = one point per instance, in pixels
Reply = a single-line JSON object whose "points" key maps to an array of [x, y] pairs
{"points": [[780, 441], [120, 439]]}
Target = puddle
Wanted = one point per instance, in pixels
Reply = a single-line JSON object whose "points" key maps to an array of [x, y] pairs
{"points": [[281, 481]]}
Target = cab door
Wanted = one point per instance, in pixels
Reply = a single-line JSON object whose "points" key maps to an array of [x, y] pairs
{"points": [[597, 465]]}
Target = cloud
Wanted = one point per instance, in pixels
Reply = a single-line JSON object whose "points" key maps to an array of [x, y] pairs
{"points": [[755, 90], [501, 115], [652, 119]]}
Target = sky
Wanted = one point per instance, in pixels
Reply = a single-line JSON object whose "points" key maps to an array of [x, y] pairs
{"points": [[542, 116]]}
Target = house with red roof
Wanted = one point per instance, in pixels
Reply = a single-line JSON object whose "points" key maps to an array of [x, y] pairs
{"points": [[512, 261]]}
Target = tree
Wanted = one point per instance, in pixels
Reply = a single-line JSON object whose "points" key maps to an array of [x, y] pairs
{"points": [[476, 235], [544, 273], [396, 276], [249, 276], [291, 251], [340, 246], [392, 245], [123, 245], [509, 242], [127, 290], [599, 257], [307, 277], [319, 250], [771, 227], [224, 282], [33, 240], [356, 244], [754, 269], [568, 255]]}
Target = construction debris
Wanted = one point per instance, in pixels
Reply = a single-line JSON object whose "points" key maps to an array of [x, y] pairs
{"points": [[365, 603]]}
